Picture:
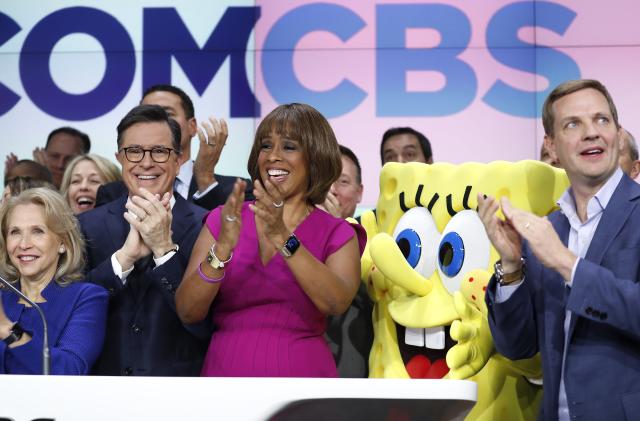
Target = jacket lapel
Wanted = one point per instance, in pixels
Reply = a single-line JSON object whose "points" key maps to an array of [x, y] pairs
{"points": [[182, 219], [613, 219], [117, 226], [193, 188]]}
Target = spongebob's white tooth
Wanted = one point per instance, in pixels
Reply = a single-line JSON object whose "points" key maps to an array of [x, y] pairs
{"points": [[413, 336], [434, 337]]}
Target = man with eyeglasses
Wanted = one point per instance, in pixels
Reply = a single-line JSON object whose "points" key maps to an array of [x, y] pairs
{"points": [[196, 181], [138, 247]]}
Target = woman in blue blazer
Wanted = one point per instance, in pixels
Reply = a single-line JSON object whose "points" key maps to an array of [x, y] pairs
{"points": [[41, 254]]}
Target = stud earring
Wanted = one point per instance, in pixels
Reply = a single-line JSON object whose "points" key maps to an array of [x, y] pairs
{"points": [[61, 250]]}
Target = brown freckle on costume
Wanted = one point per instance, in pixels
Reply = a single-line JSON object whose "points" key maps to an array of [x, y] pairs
{"points": [[471, 279], [473, 297], [484, 288]]}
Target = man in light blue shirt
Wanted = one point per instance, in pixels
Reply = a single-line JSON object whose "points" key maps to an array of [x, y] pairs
{"points": [[568, 286]]}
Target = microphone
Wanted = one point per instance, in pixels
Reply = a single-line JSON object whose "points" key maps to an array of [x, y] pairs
{"points": [[45, 338]]}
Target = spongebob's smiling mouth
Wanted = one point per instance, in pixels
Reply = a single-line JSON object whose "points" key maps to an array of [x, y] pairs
{"points": [[424, 351]]}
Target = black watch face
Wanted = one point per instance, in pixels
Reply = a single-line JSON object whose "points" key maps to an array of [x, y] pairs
{"points": [[292, 243], [290, 246]]}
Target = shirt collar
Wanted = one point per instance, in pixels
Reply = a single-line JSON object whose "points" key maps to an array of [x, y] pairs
{"points": [[596, 204], [186, 172]]}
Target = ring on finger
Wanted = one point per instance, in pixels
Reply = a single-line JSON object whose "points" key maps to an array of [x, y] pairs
{"points": [[230, 218], [278, 204]]}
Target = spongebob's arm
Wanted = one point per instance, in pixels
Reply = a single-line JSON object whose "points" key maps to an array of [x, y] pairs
{"points": [[531, 368]]}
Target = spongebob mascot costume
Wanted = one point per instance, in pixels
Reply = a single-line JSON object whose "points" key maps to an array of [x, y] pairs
{"points": [[426, 267]]}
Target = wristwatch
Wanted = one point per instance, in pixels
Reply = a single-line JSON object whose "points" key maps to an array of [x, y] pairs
{"points": [[290, 246], [508, 278], [213, 260], [14, 335]]}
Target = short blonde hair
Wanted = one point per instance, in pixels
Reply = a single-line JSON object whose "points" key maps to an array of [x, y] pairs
{"points": [[59, 220], [109, 171], [305, 124]]}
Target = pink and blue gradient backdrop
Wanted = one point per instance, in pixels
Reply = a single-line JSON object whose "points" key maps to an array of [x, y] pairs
{"points": [[305, 50]]}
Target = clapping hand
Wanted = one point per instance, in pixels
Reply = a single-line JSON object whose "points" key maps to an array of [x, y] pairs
{"points": [[504, 237], [231, 220], [268, 208], [331, 205]]}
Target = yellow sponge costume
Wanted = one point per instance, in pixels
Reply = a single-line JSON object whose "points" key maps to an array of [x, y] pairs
{"points": [[426, 266]]}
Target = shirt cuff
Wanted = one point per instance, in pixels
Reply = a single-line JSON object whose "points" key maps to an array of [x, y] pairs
{"points": [[573, 272], [197, 195], [504, 292], [163, 259], [117, 269]]}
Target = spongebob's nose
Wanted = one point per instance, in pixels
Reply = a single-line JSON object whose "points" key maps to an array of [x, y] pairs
{"points": [[391, 262]]}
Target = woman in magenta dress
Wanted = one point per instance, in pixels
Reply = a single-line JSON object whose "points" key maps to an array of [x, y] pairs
{"points": [[271, 270]]}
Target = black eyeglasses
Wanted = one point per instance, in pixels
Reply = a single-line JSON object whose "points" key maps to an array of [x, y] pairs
{"points": [[158, 154]]}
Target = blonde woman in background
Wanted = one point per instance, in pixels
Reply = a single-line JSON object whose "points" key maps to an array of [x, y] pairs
{"points": [[83, 176]]}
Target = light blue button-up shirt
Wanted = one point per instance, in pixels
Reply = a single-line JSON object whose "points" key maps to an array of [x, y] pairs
{"points": [[580, 236]]}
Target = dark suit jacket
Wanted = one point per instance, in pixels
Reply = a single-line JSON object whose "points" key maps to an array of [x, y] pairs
{"points": [[144, 334], [214, 198], [350, 336], [602, 369]]}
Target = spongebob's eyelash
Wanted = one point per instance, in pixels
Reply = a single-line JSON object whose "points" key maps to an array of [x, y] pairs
{"points": [[434, 199], [465, 201]]}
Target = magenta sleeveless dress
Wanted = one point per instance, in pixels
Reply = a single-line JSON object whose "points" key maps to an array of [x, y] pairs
{"points": [[264, 323]]}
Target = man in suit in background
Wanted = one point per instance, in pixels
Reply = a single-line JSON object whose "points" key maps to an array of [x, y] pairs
{"points": [[138, 247], [568, 286], [197, 181], [350, 335], [629, 161]]}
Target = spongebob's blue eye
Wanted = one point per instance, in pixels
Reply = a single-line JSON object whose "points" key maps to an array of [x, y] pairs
{"points": [[409, 243], [417, 238], [464, 247], [451, 254]]}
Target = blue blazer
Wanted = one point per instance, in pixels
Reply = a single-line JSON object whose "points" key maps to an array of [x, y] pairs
{"points": [[76, 316], [144, 334], [602, 370]]}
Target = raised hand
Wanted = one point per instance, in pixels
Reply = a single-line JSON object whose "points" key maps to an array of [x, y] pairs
{"points": [[542, 238], [10, 161], [132, 250], [231, 221], [331, 205], [268, 208], [151, 218], [504, 237], [40, 156], [213, 136]]}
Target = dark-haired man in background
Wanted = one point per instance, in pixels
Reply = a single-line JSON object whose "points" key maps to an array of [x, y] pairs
{"points": [[404, 144], [63, 144]]}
